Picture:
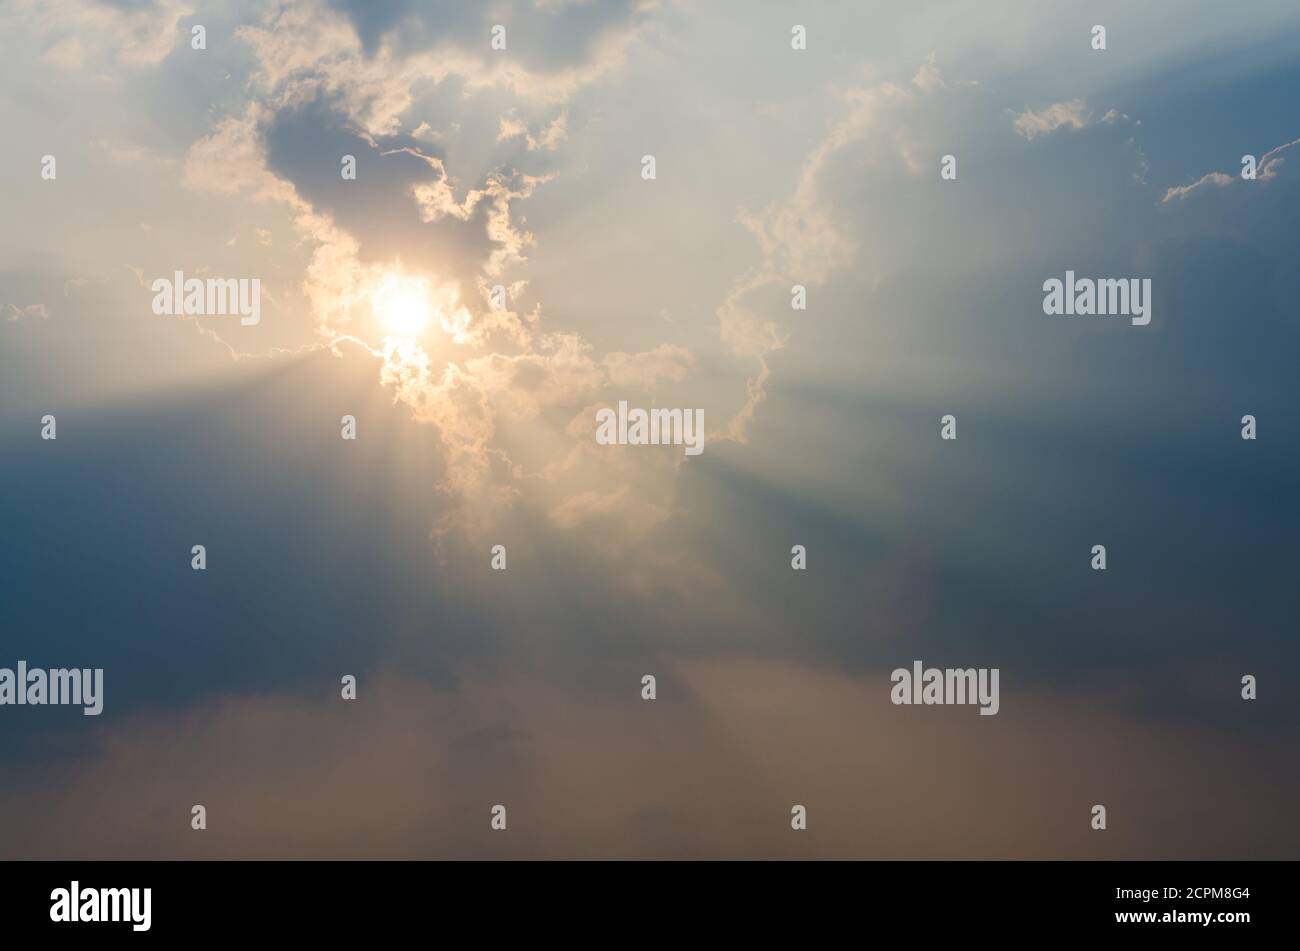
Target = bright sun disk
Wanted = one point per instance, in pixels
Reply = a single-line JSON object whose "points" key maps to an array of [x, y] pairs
{"points": [[402, 305]]}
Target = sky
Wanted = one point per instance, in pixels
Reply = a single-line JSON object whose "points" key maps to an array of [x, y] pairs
{"points": [[523, 169]]}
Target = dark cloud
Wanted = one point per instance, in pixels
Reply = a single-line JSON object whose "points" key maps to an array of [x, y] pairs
{"points": [[306, 146]]}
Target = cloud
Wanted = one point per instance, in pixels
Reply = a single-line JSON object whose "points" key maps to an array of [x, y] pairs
{"points": [[1073, 114], [436, 200], [136, 34], [1210, 180], [14, 313], [929, 78], [576, 509], [312, 48], [1267, 169], [648, 369], [548, 140], [232, 159], [474, 403], [517, 169], [803, 239], [504, 367]]}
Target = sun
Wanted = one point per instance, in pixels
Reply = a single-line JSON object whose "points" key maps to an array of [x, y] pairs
{"points": [[401, 305]]}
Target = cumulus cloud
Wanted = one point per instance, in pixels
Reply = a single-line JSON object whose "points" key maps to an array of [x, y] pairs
{"points": [[469, 399], [504, 367], [472, 402]]}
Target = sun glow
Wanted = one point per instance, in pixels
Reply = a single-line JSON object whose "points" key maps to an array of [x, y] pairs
{"points": [[401, 305]]}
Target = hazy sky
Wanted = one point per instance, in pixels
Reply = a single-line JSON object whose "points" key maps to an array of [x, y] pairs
{"points": [[523, 167]]}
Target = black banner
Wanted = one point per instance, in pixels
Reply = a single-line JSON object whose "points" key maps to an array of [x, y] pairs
{"points": [[1175, 901]]}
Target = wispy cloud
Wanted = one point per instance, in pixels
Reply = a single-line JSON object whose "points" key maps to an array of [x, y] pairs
{"points": [[1267, 169]]}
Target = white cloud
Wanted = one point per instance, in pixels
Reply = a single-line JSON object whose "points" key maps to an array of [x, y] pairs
{"points": [[491, 372], [547, 140], [311, 47], [1266, 170], [1073, 114], [1212, 180], [14, 313]]}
